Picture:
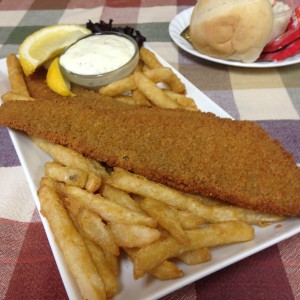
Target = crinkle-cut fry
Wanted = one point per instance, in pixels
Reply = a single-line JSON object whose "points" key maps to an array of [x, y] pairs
{"points": [[133, 183], [118, 87], [91, 226], [110, 279], [152, 92], [166, 218], [14, 96], [189, 220], [207, 236], [72, 245], [120, 197], [70, 158], [16, 75], [182, 100], [107, 210], [133, 235], [149, 58], [195, 257], [140, 98], [167, 270], [71, 176]]}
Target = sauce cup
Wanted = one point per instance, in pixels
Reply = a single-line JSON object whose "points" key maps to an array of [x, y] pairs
{"points": [[96, 80]]}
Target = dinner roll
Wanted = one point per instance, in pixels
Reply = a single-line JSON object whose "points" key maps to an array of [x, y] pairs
{"points": [[231, 29]]}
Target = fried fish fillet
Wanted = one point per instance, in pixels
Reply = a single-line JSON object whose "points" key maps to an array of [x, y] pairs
{"points": [[235, 161]]}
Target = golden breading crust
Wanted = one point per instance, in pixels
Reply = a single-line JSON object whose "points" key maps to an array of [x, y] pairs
{"points": [[235, 161]]}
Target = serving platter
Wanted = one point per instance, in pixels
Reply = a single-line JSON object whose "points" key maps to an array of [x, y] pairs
{"points": [[33, 159], [182, 21]]}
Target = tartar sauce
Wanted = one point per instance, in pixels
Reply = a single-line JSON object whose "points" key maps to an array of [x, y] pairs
{"points": [[98, 54]]}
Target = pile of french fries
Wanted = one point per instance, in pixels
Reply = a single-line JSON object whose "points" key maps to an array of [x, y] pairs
{"points": [[96, 212]]}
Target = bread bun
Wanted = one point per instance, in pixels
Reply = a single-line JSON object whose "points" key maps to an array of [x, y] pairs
{"points": [[231, 29]]}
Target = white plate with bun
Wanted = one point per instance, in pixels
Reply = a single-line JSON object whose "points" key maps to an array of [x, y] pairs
{"points": [[182, 21]]}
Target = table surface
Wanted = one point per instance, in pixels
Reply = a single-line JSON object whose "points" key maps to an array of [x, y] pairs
{"points": [[270, 97]]}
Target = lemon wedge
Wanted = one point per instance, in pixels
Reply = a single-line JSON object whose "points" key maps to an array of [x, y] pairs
{"points": [[56, 81], [47, 43]]}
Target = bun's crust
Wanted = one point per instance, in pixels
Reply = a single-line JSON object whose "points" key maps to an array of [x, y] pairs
{"points": [[231, 29]]}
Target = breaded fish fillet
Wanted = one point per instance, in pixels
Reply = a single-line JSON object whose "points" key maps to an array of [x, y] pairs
{"points": [[235, 161]]}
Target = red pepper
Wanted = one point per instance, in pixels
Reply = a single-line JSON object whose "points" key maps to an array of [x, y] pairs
{"points": [[290, 50], [283, 40], [287, 44], [295, 19]]}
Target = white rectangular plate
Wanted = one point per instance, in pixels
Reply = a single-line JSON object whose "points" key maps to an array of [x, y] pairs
{"points": [[33, 159]]}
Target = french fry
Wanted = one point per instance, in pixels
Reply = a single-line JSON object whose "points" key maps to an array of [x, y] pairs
{"points": [[13, 96], [160, 74], [149, 58], [134, 235], [97, 253], [182, 100], [72, 245], [110, 279], [140, 98], [120, 197], [107, 210], [70, 158], [136, 184], [195, 257], [188, 220], [118, 87], [71, 176], [167, 270], [166, 218], [207, 236], [152, 92], [16, 75], [92, 226]]}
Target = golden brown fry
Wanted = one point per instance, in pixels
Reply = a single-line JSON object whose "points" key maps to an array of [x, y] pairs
{"points": [[139, 66], [140, 98], [208, 236], [134, 235], [149, 58], [176, 85], [118, 87], [167, 270], [160, 74], [189, 220], [118, 196], [113, 261], [70, 158], [13, 96], [107, 210], [68, 175], [182, 100], [110, 279], [48, 182], [16, 75], [136, 184], [152, 92], [195, 257], [72, 245], [92, 226], [166, 218]]}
